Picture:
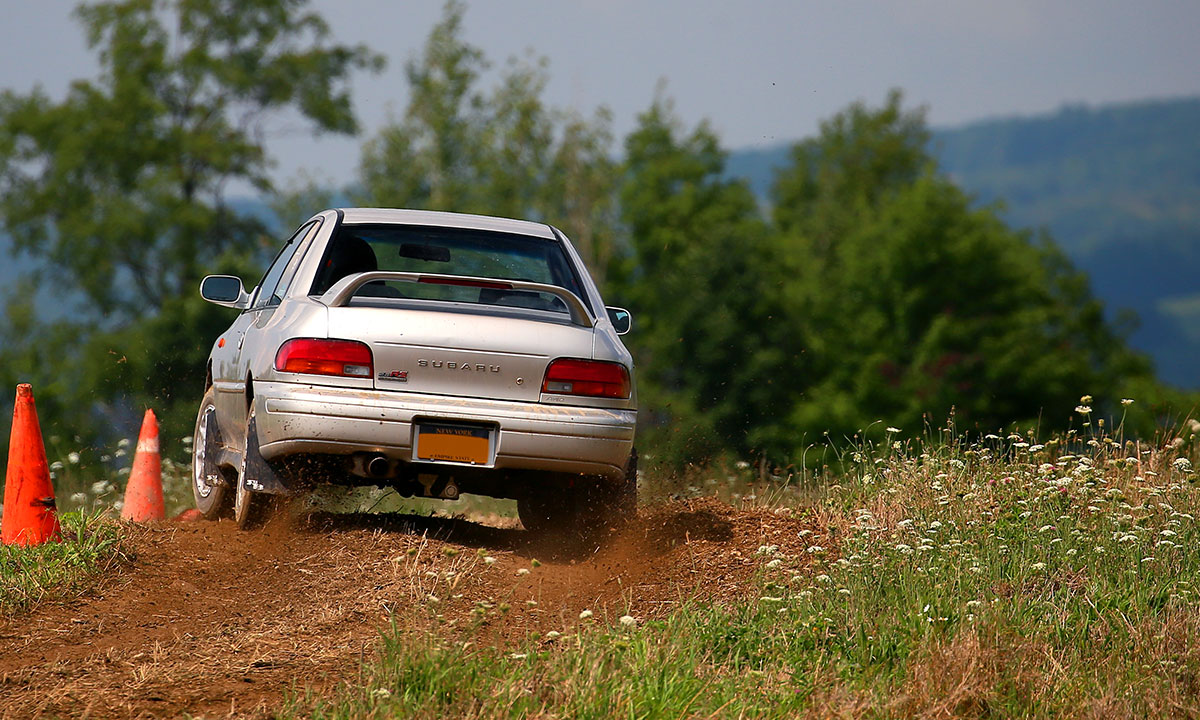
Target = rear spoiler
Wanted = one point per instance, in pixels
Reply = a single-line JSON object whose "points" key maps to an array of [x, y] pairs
{"points": [[339, 295]]}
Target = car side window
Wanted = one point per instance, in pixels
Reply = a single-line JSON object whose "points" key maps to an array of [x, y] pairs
{"points": [[268, 293], [289, 272]]}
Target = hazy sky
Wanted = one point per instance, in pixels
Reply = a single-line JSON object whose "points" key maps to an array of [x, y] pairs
{"points": [[762, 72]]}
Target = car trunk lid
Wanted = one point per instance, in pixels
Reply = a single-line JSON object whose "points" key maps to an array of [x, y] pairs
{"points": [[480, 354]]}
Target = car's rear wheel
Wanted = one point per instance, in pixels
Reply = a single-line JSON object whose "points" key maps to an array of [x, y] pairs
{"points": [[212, 497], [583, 509], [250, 508]]}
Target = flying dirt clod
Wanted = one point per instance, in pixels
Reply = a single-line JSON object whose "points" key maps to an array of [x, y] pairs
{"points": [[30, 516]]}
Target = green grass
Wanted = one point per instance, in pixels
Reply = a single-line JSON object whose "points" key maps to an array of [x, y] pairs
{"points": [[91, 545], [999, 578]]}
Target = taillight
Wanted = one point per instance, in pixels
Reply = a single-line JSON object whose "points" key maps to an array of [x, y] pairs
{"points": [[593, 378], [313, 356]]}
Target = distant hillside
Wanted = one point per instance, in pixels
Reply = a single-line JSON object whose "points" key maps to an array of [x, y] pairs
{"points": [[1118, 187]]}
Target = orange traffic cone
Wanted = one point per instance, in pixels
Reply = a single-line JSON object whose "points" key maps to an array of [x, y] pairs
{"points": [[29, 517], [143, 493]]}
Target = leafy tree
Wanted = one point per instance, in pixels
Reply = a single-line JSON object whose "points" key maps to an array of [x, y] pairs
{"points": [[119, 188], [921, 305], [705, 288], [501, 151], [860, 157]]}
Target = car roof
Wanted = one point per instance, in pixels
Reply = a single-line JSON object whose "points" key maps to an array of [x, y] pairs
{"points": [[359, 216]]}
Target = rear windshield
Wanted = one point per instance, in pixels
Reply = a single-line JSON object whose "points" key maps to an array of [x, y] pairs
{"points": [[448, 251]]}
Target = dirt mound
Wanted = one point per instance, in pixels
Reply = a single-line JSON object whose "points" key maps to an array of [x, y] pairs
{"points": [[213, 622]]}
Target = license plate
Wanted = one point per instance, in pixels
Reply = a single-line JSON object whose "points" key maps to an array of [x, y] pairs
{"points": [[468, 444]]}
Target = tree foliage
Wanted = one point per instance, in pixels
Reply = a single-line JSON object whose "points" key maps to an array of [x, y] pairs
{"points": [[498, 151], [705, 286], [877, 295], [922, 305], [118, 189]]}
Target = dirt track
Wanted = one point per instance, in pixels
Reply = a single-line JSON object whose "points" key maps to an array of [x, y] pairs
{"points": [[214, 622]]}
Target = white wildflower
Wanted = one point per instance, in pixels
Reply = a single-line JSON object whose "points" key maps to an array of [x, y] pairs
{"points": [[585, 615], [627, 620], [73, 458]]}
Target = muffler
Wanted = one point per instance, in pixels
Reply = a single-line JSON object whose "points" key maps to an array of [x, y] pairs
{"points": [[378, 467]]}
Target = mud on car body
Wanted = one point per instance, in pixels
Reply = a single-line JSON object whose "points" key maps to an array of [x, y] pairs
{"points": [[434, 353]]}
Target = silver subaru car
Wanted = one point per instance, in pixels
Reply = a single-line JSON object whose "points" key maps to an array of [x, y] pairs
{"points": [[433, 353]]}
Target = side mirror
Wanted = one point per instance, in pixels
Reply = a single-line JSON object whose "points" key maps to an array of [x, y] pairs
{"points": [[225, 290], [620, 318]]}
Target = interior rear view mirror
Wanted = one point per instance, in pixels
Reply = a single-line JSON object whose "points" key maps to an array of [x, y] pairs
{"points": [[430, 253]]}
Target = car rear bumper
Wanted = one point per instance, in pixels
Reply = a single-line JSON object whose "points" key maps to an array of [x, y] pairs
{"points": [[294, 418]]}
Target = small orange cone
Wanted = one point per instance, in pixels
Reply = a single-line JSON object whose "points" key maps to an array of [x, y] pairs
{"points": [[29, 516], [143, 493]]}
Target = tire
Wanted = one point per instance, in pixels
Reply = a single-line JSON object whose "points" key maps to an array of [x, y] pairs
{"points": [[212, 498], [550, 510], [250, 509], [583, 510]]}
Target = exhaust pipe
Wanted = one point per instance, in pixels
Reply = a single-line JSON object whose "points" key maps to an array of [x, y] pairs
{"points": [[378, 466]]}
